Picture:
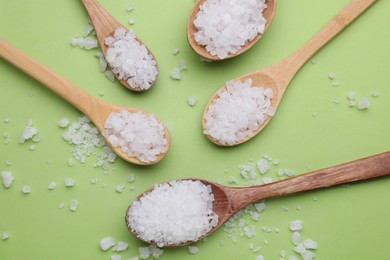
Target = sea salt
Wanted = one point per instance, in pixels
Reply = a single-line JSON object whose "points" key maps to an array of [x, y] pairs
{"points": [[363, 103], [225, 26], [191, 101], [7, 179], [173, 213], [69, 182], [52, 185], [238, 111], [26, 189], [137, 134], [107, 243], [116, 257], [5, 236], [130, 60], [193, 249], [120, 246], [73, 205], [296, 225], [28, 132], [63, 123]]}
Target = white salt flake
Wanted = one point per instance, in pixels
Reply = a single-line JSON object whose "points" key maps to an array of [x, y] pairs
{"points": [[191, 101], [61, 205], [26, 189], [63, 123], [120, 246], [296, 238], [130, 60], [193, 249], [332, 75], [300, 248], [238, 111], [131, 178], [375, 93], [296, 225], [130, 7], [106, 243], [175, 74], [175, 51], [116, 257], [144, 252], [363, 103], [52, 185], [7, 179], [120, 188], [69, 182], [310, 244], [260, 207], [263, 166], [28, 132], [73, 205], [131, 21], [5, 236]]}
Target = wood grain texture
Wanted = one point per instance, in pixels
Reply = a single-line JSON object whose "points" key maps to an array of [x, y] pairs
{"points": [[105, 25], [268, 14], [278, 76], [96, 110]]}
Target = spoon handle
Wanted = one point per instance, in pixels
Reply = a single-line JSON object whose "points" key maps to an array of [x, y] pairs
{"points": [[359, 170], [86, 103], [286, 69]]}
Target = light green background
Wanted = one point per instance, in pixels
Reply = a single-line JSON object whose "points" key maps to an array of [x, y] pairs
{"points": [[348, 223]]}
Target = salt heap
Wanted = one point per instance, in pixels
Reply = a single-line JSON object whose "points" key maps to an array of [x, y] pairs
{"points": [[130, 60], [237, 112], [173, 213], [224, 26], [137, 134]]}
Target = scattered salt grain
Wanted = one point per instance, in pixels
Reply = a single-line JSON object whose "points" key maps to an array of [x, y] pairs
{"points": [[116, 257], [7, 179], [144, 252], [69, 182], [310, 244], [131, 21], [238, 111], [224, 26], [351, 96], [130, 60], [296, 238], [94, 180], [259, 257], [26, 189], [120, 188], [186, 214], [375, 93], [131, 178], [193, 249], [332, 75], [263, 166], [336, 83], [106, 243], [260, 207], [363, 103], [87, 30], [5, 236], [110, 75], [70, 162], [87, 43], [28, 132], [191, 101], [73, 205], [120, 246], [137, 134], [175, 74], [307, 255], [267, 180], [300, 248], [31, 147], [61, 205], [130, 7], [175, 51], [52, 185], [296, 225], [63, 123]]}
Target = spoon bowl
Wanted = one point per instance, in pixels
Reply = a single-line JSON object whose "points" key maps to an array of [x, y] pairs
{"points": [[268, 14], [229, 200], [96, 110], [105, 26], [278, 76]]}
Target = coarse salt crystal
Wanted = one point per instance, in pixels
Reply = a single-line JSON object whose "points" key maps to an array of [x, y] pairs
{"points": [[363, 103], [107, 243], [116, 257], [296, 225], [5, 236], [73, 205], [52, 185], [7, 179], [310, 244], [69, 182], [191, 101], [193, 249], [120, 246], [26, 189], [63, 123], [28, 132]]}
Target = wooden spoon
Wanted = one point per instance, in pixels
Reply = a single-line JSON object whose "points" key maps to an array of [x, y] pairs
{"points": [[105, 25], [97, 111], [229, 200], [278, 76], [268, 14]]}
